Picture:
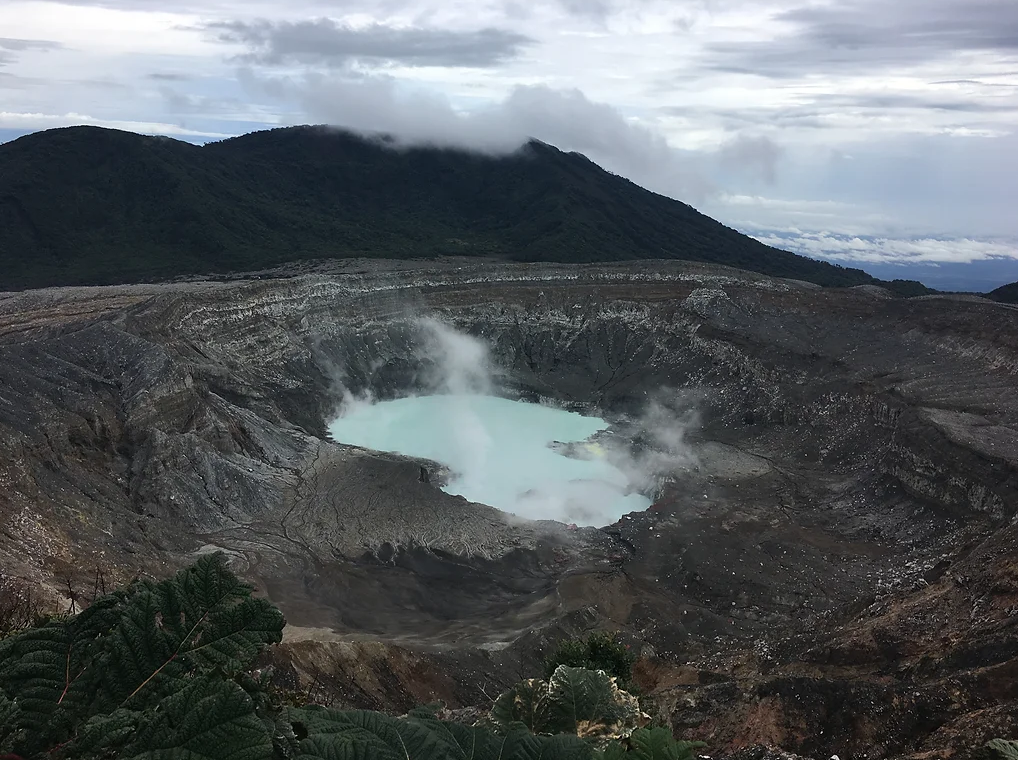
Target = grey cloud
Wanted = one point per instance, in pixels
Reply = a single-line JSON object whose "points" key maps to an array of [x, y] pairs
{"points": [[859, 35], [18, 45], [15, 82], [594, 9], [934, 25], [169, 76], [566, 119], [890, 100], [814, 113], [185, 103], [10, 45], [323, 41], [758, 154], [976, 83]]}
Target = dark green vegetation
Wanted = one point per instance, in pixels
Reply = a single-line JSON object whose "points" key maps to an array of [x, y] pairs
{"points": [[1005, 293], [599, 651], [85, 205], [999, 749], [163, 670]]}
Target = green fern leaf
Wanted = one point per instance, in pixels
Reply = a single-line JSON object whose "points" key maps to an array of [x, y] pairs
{"points": [[132, 649], [202, 618], [363, 735], [518, 743], [587, 703], [104, 735], [10, 731], [614, 751], [331, 735], [41, 665], [523, 745], [1002, 749], [521, 705], [659, 744], [208, 720]]}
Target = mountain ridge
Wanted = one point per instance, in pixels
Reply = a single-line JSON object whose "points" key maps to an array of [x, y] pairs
{"points": [[1005, 293], [88, 205]]}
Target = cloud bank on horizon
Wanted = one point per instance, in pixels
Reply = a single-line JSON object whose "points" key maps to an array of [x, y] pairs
{"points": [[855, 130]]}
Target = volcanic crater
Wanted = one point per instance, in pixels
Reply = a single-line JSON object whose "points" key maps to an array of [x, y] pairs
{"points": [[832, 570]]}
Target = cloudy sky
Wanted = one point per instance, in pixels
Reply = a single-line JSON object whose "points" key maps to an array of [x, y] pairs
{"points": [[865, 131]]}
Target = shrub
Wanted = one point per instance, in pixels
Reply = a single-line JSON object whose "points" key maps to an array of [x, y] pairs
{"points": [[599, 651], [586, 703], [163, 671]]}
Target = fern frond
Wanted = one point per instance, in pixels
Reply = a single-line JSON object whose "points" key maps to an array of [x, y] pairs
{"points": [[659, 744], [585, 703], [10, 733], [1001, 749], [208, 720], [201, 618], [357, 735], [132, 649]]}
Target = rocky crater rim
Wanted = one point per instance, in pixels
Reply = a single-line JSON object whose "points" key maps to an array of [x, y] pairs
{"points": [[843, 545], [175, 416]]}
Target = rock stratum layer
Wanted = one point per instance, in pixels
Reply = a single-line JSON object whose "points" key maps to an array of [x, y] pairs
{"points": [[837, 573]]}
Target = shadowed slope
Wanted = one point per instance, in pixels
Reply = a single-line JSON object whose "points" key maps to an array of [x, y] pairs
{"points": [[1005, 293], [89, 205]]}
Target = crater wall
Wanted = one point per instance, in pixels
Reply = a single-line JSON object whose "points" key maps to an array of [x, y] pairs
{"points": [[849, 445]]}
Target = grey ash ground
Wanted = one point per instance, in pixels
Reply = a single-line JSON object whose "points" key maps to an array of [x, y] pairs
{"points": [[839, 574]]}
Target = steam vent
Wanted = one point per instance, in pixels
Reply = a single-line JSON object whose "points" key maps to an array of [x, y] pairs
{"points": [[794, 505]]}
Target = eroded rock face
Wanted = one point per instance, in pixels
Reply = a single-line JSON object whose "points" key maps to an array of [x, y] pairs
{"points": [[856, 456]]}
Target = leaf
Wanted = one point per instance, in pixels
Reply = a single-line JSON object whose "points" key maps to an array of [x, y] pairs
{"points": [[518, 743], [132, 649], [10, 733], [614, 751], [463, 742], [587, 703], [520, 705], [201, 618], [659, 744], [1002, 749], [522, 745], [42, 664], [104, 735], [357, 734], [210, 719]]}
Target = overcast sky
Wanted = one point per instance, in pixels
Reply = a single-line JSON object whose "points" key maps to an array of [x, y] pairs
{"points": [[861, 130]]}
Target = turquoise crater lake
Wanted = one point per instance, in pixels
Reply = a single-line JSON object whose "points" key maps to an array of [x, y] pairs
{"points": [[498, 451]]}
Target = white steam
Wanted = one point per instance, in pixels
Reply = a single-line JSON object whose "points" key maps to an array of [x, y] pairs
{"points": [[661, 434], [532, 461], [459, 363]]}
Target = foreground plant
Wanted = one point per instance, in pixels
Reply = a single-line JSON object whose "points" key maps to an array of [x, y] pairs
{"points": [[585, 703], [162, 671], [150, 666], [1000, 749], [599, 651]]}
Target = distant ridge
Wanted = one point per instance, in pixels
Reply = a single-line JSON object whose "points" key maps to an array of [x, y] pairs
{"points": [[1005, 293], [86, 205]]}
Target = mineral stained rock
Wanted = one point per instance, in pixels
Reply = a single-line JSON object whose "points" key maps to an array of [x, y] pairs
{"points": [[831, 571]]}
